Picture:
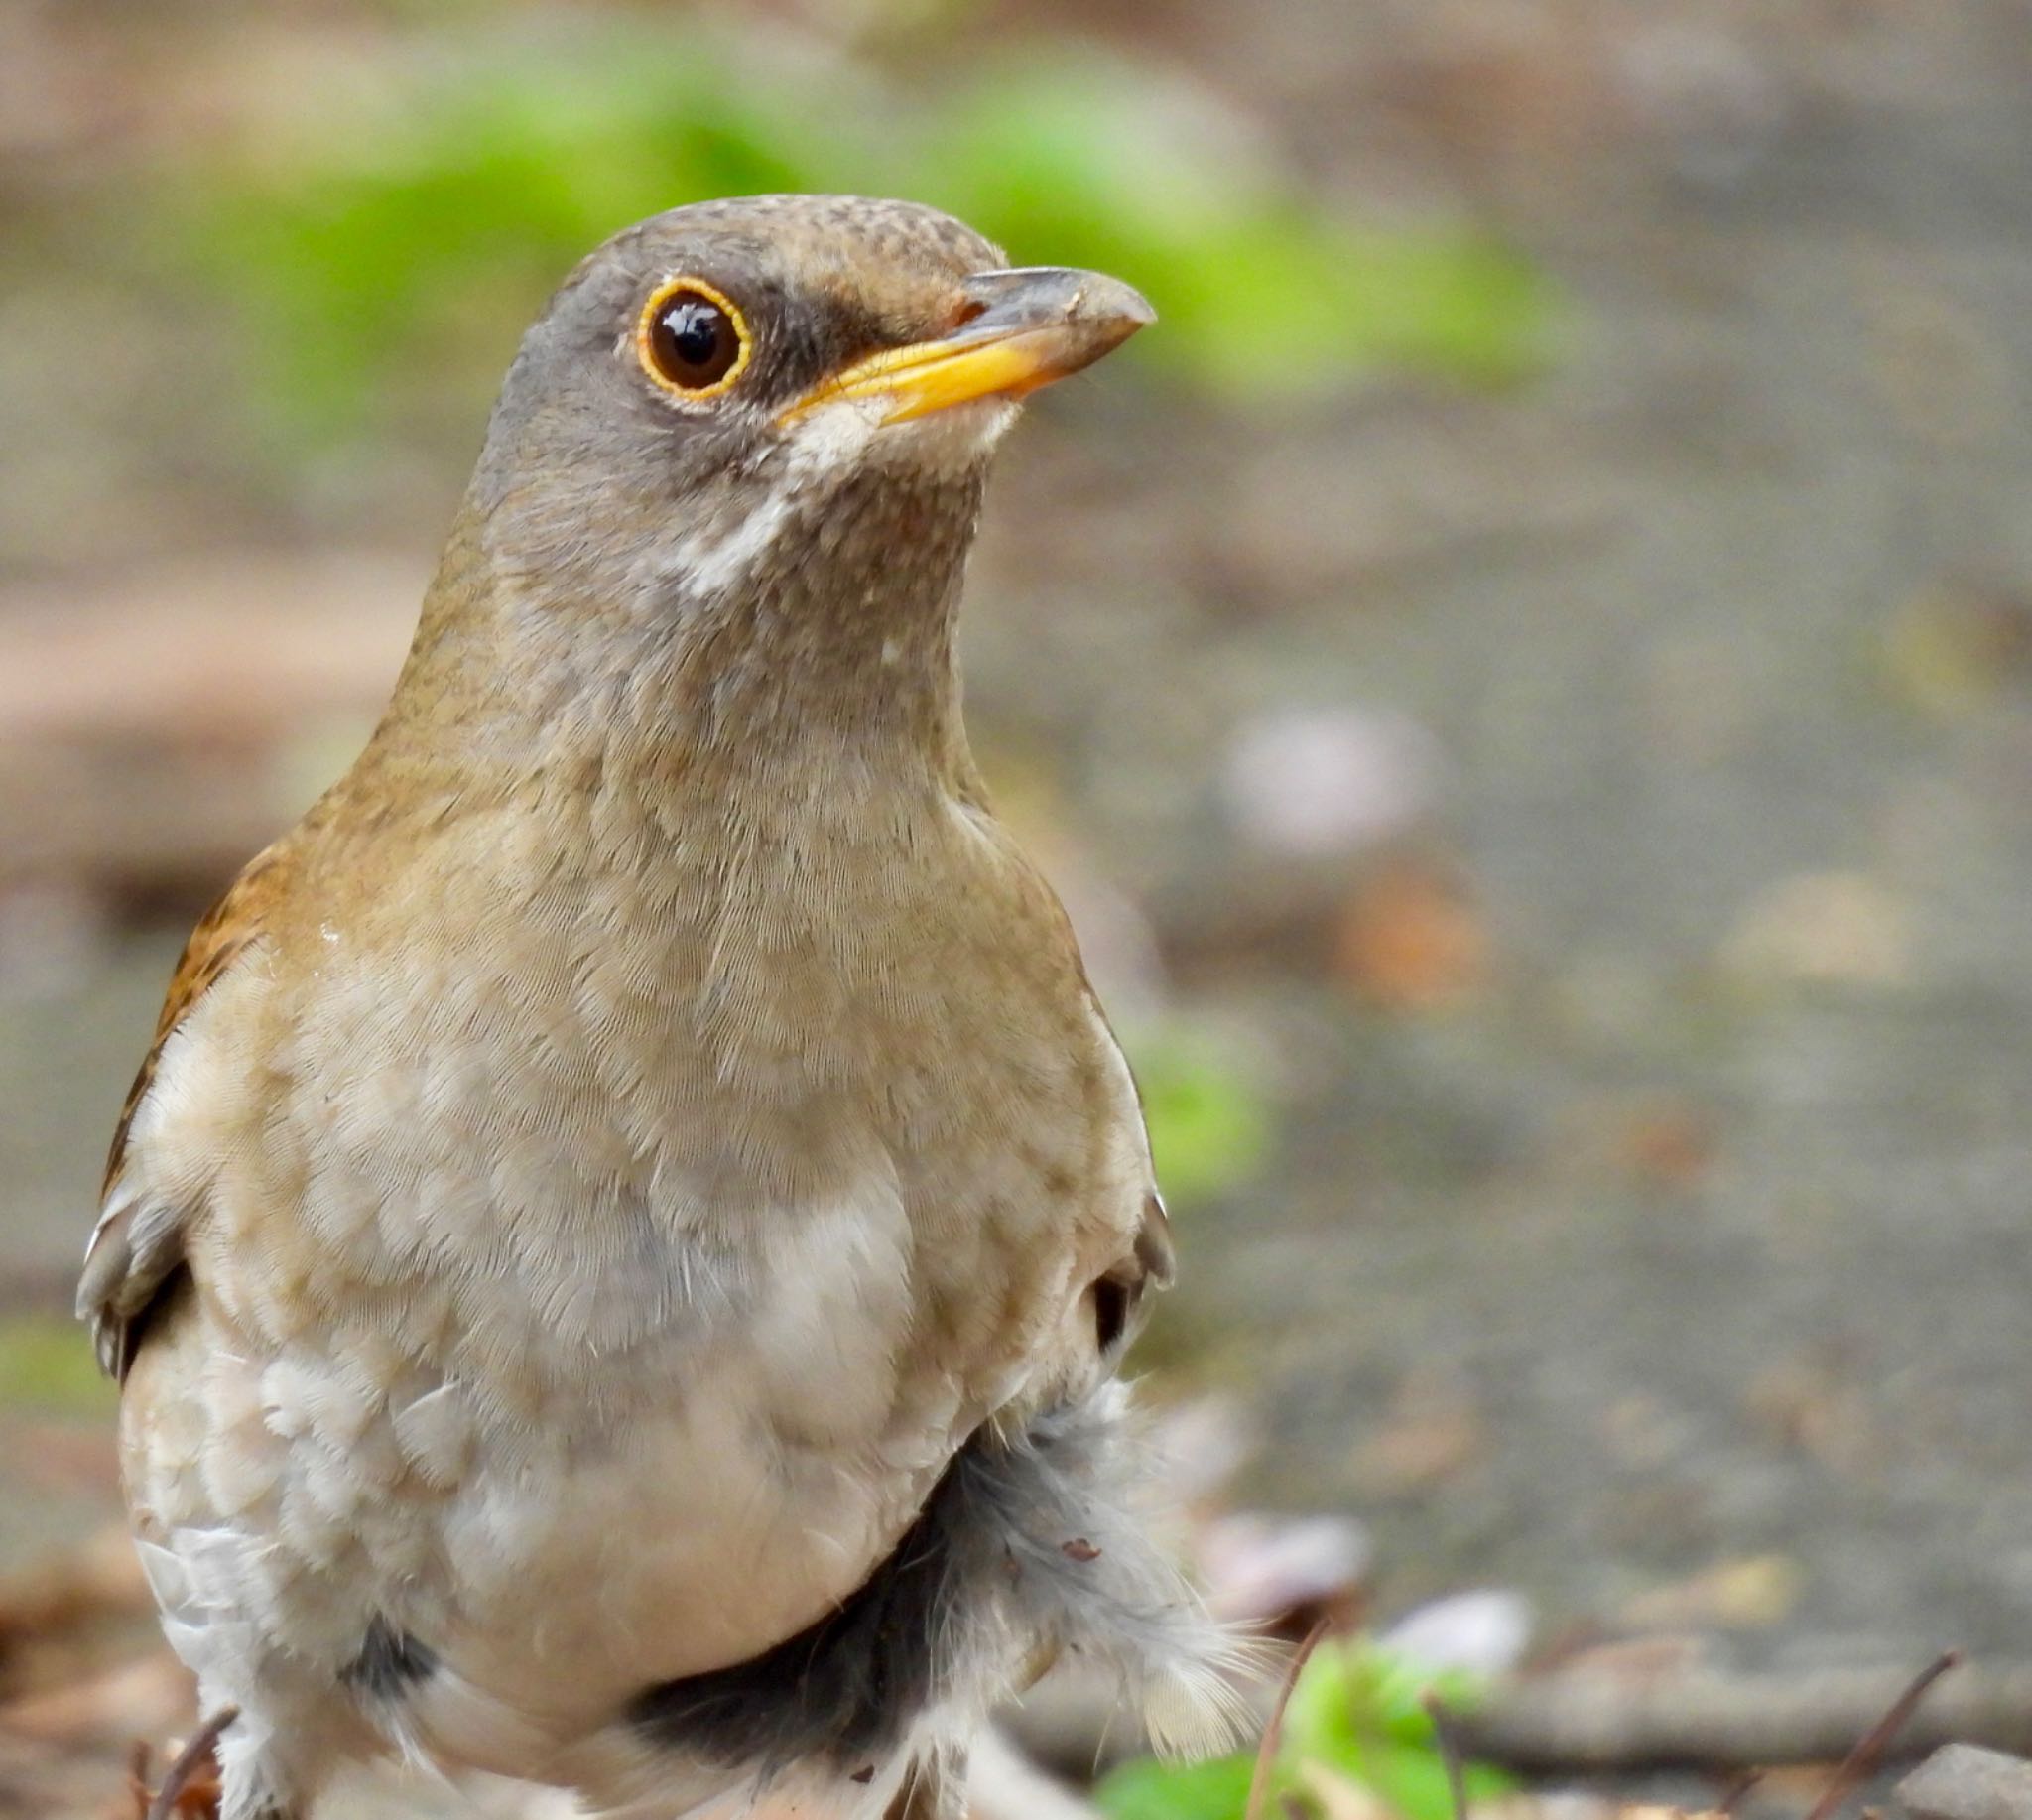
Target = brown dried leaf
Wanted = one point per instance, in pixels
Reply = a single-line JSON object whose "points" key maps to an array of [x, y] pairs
{"points": [[1409, 940]]}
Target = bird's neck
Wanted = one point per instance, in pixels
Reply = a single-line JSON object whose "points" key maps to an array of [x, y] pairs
{"points": [[832, 649]]}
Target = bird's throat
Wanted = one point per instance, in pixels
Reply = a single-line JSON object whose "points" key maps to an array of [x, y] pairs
{"points": [[827, 638]]}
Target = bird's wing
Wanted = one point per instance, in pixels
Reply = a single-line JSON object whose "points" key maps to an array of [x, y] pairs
{"points": [[1122, 1295], [137, 1247]]}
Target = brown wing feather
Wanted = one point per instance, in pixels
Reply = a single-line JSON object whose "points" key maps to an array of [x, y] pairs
{"points": [[222, 933], [136, 1250], [1121, 1292]]}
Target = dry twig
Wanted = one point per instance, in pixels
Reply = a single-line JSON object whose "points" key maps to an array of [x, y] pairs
{"points": [[1579, 1721], [1858, 1766], [1273, 1732], [193, 1756], [1450, 1752]]}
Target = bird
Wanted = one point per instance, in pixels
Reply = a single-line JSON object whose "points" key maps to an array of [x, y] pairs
{"points": [[619, 1256]]}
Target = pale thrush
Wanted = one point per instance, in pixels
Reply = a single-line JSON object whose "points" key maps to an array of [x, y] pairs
{"points": [[620, 1249]]}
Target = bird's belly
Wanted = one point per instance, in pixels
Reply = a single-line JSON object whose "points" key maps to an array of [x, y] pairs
{"points": [[691, 1534], [575, 1531], [687, 1540]]}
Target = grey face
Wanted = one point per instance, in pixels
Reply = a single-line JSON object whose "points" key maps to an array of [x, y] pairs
{"points": [[756, 432], [816, 284]]}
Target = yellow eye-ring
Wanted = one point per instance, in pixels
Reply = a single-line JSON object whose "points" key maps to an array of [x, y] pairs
{"points": [[692, 340]]}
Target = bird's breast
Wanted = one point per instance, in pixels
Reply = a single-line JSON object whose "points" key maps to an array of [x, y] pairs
{"points": [[670, 1208]]}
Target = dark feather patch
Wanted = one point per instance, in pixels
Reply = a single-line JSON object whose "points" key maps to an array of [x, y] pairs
{"points": [[845, 1688], [389, 1665], [1027, 1548], [1112, 1301]]}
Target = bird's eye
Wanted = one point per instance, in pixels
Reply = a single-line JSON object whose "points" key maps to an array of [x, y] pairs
{"points": [[692, 340]]}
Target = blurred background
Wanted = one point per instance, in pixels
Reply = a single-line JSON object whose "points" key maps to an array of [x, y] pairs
{"points": [[1524, 679]]}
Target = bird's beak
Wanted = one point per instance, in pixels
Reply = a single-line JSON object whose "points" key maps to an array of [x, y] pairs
{"points": [[1030, 327]]}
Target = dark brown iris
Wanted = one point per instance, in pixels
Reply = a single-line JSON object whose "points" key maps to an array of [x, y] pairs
{"points": [[692, 342]]}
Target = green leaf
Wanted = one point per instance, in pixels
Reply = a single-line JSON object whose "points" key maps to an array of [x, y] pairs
{"points": [[1357, 1711], [1146, 1789], [1361, 1711]]}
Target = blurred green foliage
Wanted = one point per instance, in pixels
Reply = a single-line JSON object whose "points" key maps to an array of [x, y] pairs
{"points": [[46, 1369], [1208, 1118], [405, 223], [1358, 1715]]}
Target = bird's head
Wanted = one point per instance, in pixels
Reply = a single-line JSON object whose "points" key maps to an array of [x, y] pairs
{"points": [[751, 436]]}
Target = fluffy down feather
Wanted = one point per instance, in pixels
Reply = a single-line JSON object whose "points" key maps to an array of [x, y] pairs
{"points": [[1030, 1549]]}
